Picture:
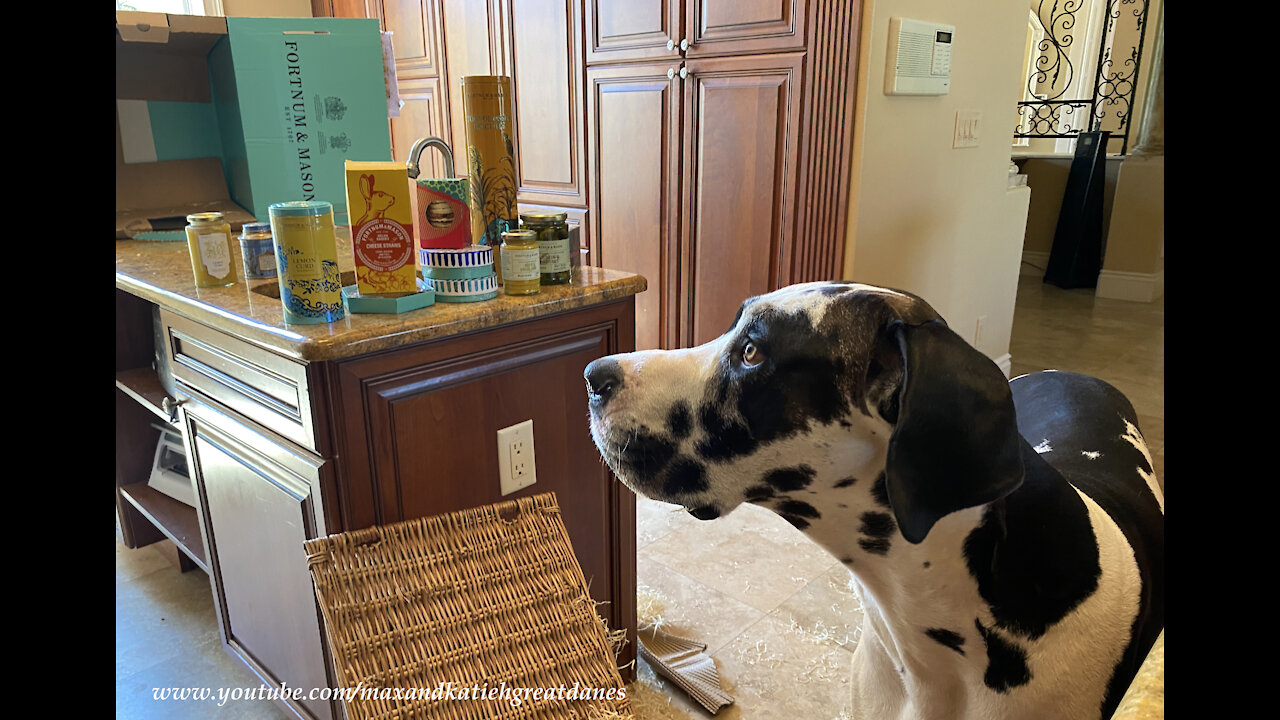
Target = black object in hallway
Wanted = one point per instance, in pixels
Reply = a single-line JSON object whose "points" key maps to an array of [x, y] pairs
{"points": [[1076, 256]]}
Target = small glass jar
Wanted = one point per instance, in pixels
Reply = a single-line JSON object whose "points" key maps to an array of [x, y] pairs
{"points": [[209, 240], [307, 258], [553, 245], [257, 252], [520, 270]]}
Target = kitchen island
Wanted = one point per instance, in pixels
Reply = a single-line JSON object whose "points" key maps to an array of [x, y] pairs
{"points": [[298, 431]]}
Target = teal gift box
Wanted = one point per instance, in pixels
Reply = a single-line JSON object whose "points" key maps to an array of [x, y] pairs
{"points": [[279, 103]]}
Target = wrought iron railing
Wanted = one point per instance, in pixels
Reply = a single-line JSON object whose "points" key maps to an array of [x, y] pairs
{"points": [[1054, 75]]}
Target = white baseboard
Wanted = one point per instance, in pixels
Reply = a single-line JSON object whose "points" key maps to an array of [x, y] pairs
{"points": [[1005, 363], [1138, 287], [1034, 263]]}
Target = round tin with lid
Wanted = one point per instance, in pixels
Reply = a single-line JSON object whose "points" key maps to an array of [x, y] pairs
{"points": [[307, 258]]}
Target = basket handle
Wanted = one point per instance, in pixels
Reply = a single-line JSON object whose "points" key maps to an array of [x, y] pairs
{"points": [[422, 144]]}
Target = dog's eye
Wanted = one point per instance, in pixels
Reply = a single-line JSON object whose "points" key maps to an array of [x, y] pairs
{"points": [[751, 355]]}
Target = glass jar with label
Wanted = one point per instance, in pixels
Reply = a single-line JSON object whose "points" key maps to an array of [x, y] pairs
{"points": [[553, 244], [257, 252], [520, 269], [209, 239]]}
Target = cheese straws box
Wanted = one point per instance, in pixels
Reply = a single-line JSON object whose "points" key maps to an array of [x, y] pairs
{"points": [[380, 205]]}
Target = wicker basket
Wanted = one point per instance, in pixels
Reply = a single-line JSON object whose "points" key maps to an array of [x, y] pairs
{"points": [[489, 599]]}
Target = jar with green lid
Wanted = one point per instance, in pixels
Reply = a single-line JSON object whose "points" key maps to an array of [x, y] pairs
{"points": [[209, 241], [307, 261], [520, 269], [553, 244]]}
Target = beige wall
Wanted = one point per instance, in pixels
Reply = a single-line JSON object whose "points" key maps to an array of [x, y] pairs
{"points": [[927, 218], [266, 8]]}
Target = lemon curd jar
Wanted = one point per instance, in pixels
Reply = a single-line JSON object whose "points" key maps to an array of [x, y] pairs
{"points": [[307, 261], [520, 270], [209, 240]]}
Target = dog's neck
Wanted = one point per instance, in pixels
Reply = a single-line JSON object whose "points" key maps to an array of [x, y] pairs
{"points": [[924, 584]]}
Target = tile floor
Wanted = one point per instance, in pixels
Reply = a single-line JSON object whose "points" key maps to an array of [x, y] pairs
{"points": [[776, 612]]}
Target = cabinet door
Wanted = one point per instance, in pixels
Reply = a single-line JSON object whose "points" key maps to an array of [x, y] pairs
{"points": [[620, 30], [473, 46], [418, 436], [741, 119], [633, 112], [259, 501], [416, 38], [724, 27], [423, 115], [544, 49]]}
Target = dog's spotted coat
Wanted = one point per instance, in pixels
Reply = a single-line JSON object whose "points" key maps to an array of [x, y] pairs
{"points": [[999, 580]]}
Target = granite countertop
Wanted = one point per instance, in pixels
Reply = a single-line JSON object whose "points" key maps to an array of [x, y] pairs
{"points": [[160, 272]]}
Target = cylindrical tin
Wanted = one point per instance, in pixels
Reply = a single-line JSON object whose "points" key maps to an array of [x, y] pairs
{"points": [[209, 241], [553, 244], [257, 252], [307, 257], [487, 107]]}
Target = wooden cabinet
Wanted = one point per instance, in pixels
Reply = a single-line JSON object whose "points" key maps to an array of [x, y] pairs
{"points": [[259, 500], [706, 144], [621, 30], [295, 432], [741, 120], [634, 162], [418, 436], [733, 27]]}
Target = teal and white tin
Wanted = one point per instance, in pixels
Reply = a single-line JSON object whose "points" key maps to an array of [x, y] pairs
{"points": [[465, 289]]}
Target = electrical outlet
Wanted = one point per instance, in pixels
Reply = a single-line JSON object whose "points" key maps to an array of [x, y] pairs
{"points": [[516, 468]]}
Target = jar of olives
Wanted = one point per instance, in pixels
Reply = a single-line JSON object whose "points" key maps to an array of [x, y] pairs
{"points": [[554, 248]]}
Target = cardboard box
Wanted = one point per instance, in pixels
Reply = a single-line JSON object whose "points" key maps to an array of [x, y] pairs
{"points": [[233, 114], [381, 208]]}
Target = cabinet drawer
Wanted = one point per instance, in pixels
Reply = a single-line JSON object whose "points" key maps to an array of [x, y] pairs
{"points": [[264, 387]]}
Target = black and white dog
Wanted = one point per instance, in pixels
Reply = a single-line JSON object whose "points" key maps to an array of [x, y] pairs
{"points": [[1007, 537]]}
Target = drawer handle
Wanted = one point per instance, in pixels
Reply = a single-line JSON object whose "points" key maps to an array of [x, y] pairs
{"points": [[170, 407]]}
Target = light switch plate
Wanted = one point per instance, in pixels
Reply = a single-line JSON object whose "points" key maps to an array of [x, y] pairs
{"points": [[968, 129]]}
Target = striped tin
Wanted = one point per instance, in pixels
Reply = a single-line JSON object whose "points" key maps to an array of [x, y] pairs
{"points": [[469, 257], [465, 290]]}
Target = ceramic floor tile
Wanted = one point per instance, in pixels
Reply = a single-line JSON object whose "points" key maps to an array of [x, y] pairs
{"points": [[655, 519], [827, 608], [778, 671], [687, 608], [750, 555]]}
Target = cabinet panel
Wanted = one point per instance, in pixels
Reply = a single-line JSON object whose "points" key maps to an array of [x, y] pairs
{"points": [[423, 115], [633, 112], [468, 26], [415, 42], [258, 499], [741, 122], [420, 435], [546, 74], [632, 29], [721, 27]]}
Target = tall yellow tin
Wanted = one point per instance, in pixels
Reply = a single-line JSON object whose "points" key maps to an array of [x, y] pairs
{"points": [[307, 256], [487, 108]]}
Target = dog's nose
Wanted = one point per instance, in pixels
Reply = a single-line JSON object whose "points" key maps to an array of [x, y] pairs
{"points": [[604, 379]]}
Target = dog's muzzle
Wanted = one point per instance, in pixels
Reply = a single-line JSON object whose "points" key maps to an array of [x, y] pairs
{"points": [[604, 379]]}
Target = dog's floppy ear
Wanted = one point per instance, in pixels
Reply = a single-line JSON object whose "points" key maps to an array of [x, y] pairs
{"points": [[956, 442]]}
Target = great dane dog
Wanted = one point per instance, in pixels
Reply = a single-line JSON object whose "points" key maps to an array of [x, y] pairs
{"points": [[1007, 538]]}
